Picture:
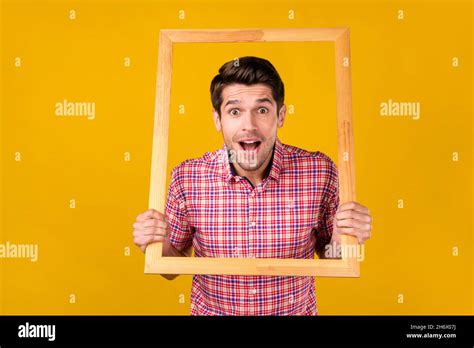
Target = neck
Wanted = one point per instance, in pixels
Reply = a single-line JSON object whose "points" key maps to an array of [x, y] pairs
{"points": [[255, 176]]}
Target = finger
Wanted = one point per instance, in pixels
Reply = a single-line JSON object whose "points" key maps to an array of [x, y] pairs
{"points": [[155, 239], [353, 214], [353, 206], [149, 214], [158, 215], [149, 223], [143, 243], [144, 246], [150, 231], [145, 215], [363, 226], [145, 240], [361, 235]]}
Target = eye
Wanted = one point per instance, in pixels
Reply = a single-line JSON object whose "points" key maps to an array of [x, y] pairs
{"points": [[262, 108], [233, 113]]}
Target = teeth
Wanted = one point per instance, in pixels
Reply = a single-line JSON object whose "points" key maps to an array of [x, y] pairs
{"points": [[250, 145]]}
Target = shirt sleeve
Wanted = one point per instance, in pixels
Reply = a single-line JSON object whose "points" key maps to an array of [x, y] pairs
{"points": [[180, 234], [328, 211]]}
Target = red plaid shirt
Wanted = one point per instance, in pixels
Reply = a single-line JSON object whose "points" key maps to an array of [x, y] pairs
{"points": [[288, 215]]}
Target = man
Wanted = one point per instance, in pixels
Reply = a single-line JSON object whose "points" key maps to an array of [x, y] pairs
{"points": [[254, 197]]}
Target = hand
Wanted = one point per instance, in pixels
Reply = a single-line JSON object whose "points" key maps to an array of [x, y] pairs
{"points": [[149, 227], [353, 219]]}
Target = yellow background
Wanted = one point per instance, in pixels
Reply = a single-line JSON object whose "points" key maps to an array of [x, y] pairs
{"points": [[82, 251]]}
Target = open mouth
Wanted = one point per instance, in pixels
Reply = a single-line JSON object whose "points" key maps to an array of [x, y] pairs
{"points": [[250, 145]]}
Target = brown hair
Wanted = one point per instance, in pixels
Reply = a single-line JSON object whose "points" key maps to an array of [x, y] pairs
{"points": [[248, 71]]}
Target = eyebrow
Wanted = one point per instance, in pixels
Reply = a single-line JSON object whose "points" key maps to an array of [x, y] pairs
{"points": [[259, 100]]}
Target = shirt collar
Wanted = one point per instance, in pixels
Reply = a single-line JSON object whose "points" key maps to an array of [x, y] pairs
{"points": [[227, 171]]}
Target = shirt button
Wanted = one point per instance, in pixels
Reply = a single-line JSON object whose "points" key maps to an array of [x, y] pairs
{"points": [[251, 255], [252, 291], [253, 224]]}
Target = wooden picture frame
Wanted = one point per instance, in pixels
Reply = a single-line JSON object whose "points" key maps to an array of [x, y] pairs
{"points": [[348, 265]]}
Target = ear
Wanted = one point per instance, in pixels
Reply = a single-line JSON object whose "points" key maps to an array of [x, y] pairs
{"points": [[281, 116], [217, 120]]}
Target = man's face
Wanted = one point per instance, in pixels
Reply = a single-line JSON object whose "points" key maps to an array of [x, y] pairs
{"points": [[249, 123]]}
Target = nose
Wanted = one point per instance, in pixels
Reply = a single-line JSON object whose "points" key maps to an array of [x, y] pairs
{"points": [[248, 122]]}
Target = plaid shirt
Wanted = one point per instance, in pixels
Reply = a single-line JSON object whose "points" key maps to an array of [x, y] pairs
{"points": [[288, 215]]}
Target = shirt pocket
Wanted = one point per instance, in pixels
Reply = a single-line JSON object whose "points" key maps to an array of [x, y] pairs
{"points": [[289, 230], [220, 232]]}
